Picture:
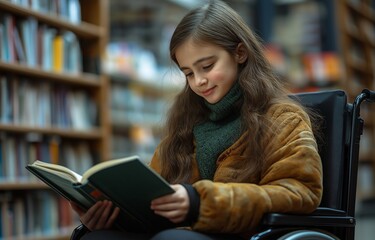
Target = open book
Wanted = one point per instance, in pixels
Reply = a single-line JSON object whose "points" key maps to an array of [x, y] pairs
{"points": [[128, 183]]}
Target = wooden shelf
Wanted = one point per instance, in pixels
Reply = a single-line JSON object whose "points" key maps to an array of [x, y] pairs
{"points": [[357, 66], [365, 195], [366, 158], [22, 185], [83, 29], [361, 9], [92, 134], [82, 79], [358, 37]]}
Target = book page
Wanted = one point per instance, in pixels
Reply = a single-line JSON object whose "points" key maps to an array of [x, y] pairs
{"points": [[62, 184], [58, 170]]}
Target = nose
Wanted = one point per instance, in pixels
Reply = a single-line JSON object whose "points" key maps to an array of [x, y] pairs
{"points": [[200, 80]]}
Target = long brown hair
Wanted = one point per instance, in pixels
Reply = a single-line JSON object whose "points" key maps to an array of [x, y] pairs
{"points": [[216, 23]]}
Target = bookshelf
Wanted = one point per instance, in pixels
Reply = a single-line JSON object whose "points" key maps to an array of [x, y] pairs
{"points": [[138, 109], [138, 66], [53, 106], [357, 33], [300, 43]]}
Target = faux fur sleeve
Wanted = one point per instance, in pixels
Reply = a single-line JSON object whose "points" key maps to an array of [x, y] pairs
{"points": [[291, 180]]}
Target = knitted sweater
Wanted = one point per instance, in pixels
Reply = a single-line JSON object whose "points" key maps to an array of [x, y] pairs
{"points": [[221, 130]]}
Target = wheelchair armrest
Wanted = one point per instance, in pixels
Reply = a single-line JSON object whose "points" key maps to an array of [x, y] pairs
{"points": [[320, 217], [323, 211]]}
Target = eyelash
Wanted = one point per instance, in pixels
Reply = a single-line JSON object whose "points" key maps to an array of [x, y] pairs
{"points": [[208, 67], [205, 68], [189, 75]]}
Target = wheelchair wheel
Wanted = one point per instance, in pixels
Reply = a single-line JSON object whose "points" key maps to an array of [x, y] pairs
{"points": [[307, 235]]}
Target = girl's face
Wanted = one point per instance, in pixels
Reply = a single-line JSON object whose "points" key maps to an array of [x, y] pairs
{"points": [[210, 70]]}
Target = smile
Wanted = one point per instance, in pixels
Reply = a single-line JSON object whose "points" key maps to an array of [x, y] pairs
{"points": [[208, 91]]}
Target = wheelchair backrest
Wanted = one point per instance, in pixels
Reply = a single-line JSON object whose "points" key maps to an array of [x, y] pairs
{"points": [[333, 107]]}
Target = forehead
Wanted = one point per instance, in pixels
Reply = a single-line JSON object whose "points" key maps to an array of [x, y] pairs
{"points": [[191, 51]]}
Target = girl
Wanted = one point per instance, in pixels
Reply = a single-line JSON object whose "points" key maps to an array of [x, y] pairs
{"points": [[236, 146]]}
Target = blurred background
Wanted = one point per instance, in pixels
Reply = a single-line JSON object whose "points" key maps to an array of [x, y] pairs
{"points": [[312, 45], [308, 43], [110, 98], [301, 40]]}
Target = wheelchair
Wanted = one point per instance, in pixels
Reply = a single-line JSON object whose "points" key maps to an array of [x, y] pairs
{"points": [[339, 151]]}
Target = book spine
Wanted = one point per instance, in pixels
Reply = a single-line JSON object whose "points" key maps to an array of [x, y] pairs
{"points": [[22, 102], [58, 53]]}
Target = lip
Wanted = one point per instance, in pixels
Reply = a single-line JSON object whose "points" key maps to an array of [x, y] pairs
{"points": [[207, 92]]}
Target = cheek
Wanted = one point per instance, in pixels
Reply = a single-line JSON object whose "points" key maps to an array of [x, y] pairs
{"points": [[222, 76], [217, 76]]}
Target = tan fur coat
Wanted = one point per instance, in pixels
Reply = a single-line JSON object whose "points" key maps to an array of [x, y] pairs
{"points": [[290, 181]]}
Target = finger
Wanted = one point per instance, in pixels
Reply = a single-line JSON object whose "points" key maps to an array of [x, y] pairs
{"points": [[172, 203], [94, 208], [168, 199], [91, 219], [104, 216], [88, 215], [112, 218], [167, 207], [163, 200]]}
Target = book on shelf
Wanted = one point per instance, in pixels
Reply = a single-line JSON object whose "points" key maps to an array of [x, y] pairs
{"points": [[127, 182], [29, 35], [72, 53], [2, 42], [33, 214], [58, 53], [25, 103], [20, 50], [68, 9], [8, 50], [47, 48]]}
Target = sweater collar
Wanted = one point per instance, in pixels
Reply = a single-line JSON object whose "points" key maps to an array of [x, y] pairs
{"points": [[224, 107]]}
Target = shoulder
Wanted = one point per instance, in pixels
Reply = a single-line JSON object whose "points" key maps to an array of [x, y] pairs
{"points": [[287, 119], [287, 111]]}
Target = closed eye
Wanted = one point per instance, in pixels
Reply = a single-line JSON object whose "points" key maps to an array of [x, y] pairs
{"points": [[189, 74], [208, 67]]}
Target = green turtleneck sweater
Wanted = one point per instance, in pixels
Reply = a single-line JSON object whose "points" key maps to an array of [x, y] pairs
{"points": [[218, 133]]}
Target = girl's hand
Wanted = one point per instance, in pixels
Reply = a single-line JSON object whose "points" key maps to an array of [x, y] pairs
{"points": [[99, 216], [174, 206]]}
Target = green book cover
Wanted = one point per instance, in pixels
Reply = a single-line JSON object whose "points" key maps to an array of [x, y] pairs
{"points": [[130, 184]]}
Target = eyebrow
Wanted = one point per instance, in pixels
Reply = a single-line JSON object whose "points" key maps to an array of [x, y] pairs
{"points": [[198, 61]]}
